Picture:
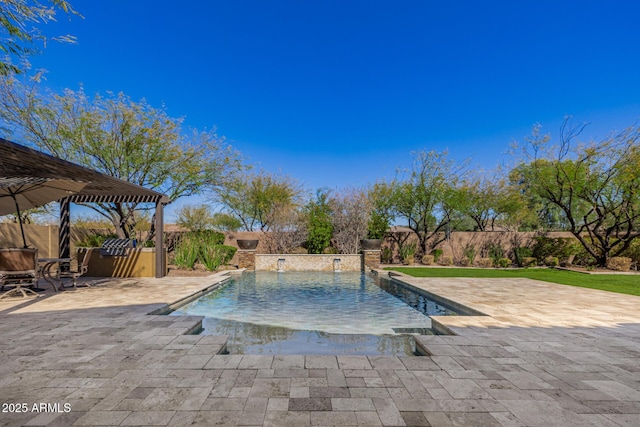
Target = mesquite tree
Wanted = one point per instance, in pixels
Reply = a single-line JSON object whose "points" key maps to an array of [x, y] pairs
{"points": [[423, 197], [490, 201], [596, 186]]}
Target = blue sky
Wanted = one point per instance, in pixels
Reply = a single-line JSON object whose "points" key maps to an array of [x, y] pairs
{"points": [[339, 93]]}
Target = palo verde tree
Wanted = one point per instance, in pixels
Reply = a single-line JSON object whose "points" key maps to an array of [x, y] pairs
{"points": [[423, 197], [19, 32], [596, 186], [224, 222], [255, 198], [195, 218], [115, 135]]}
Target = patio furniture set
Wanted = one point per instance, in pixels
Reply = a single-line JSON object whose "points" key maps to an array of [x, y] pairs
{"points": [[21, 269]]}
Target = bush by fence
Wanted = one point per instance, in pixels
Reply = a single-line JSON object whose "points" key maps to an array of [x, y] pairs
{"points": [[203, 246]]}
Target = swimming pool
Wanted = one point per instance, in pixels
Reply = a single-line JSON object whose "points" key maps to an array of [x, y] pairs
{"points": [[314, 313]]}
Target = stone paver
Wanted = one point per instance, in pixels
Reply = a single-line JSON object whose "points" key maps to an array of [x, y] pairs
{"points": [[545, 354]]}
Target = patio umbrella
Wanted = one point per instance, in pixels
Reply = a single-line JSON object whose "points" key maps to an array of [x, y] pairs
{"points": [[31, 192]]}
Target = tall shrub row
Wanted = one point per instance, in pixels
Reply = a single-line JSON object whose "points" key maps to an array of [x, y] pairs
{"points": [[203, 246]]}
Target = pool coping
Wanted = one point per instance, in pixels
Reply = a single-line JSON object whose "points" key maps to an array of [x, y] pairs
{"points": [[464, 310], [170, 307], [436, 325]]}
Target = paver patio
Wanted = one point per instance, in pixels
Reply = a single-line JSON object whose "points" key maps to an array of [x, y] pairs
{"points": [[546, 355]]}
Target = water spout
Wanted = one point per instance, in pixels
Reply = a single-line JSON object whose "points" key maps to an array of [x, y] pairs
{"points": [[280, 264], [337, 265]]}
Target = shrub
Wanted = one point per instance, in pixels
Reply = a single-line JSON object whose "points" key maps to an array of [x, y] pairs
{"points": [[386, 256], [214, 256], [210, 236], [298, 251], [186, 251], [568, 262], [330, 250], [559, 247], [520, 253], [445, 260], [437, 253], [619, 263], [428, 260], [551, 261], [582, 256], [204, 246], [465, 262], [469, 253], [633, 251], [484, 262], [504, 262], [529, 261], [408, 260], [408, 250], [495, 252]]}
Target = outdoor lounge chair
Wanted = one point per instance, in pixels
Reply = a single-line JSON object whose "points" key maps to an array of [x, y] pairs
{"points": [[18, 268], [81, 269]]}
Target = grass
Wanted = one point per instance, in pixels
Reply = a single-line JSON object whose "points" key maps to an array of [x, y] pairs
{"points": [[624, 284]]}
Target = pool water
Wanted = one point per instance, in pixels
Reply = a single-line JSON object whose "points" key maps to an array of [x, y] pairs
{"points": [[314, 313]]}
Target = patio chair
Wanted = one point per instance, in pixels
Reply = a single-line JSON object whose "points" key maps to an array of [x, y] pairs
{"points": [[81, 269], [18, 268]]}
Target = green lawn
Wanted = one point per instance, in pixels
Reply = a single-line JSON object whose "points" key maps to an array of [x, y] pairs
{"points": [[624, 284]]}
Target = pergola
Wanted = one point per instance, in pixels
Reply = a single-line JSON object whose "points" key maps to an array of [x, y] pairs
{"points": [[19, 161]]}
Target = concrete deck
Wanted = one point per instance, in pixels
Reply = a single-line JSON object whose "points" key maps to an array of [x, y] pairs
{"points": [[546, 355]]}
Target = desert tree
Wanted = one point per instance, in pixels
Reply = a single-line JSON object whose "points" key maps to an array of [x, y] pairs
{"points": [[595, 185], [195, 218], [489, 199], [224, 222], [115, 135], [254, 197], [20, 32], [476, 198], [288, 229], [350, 214], [423, 197]]}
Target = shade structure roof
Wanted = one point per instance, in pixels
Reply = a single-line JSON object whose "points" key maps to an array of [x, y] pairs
{"points": [[19, 161]]}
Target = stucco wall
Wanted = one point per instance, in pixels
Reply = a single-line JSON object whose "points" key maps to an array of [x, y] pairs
{"points": [[42, 237], [308, 262]]}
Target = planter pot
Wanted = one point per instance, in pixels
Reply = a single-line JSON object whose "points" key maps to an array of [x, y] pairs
{"points": [[247, 244], [371, 244]]}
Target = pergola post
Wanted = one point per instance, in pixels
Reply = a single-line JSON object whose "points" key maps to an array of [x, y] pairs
{"points": [[64, 231], [160, 261]]}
